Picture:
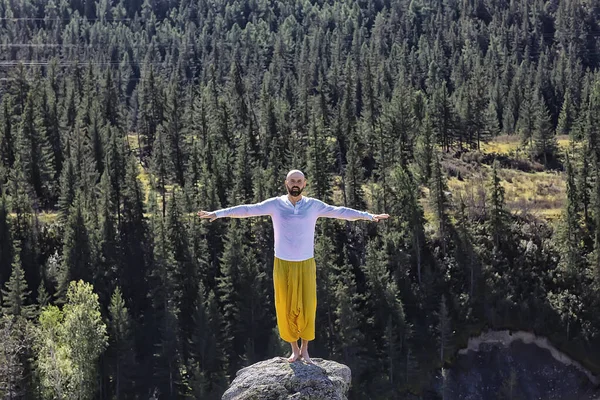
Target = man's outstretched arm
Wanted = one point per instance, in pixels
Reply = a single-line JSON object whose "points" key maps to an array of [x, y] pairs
{"points": [[350, 214], [241, 211]]}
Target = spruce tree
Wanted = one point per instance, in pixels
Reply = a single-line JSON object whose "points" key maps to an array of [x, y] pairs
{"points": [[14, 297], [121, 347], [6, 242], [7, 133], [77, 262], [424, 150], [37, 158], [545, 145], [439, 202], [177, 148], [348, 319]]}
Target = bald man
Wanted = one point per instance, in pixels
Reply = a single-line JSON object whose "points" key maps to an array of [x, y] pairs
{"points": [[294, 271]]}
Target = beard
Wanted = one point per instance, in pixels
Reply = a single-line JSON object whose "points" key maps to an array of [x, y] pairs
{"points": [[294, 190]]}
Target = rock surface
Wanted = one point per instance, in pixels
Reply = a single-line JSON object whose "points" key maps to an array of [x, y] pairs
{"points": [[500, 365], [276, 379]]}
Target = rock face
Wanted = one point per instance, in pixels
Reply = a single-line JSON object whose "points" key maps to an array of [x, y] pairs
{"points": [[276, 379], [518, 365]]}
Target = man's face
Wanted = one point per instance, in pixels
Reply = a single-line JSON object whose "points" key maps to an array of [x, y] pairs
{"points": [[295, 184]]}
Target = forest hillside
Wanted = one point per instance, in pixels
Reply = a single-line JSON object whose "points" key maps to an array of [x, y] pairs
{"points": [[475, 124]]}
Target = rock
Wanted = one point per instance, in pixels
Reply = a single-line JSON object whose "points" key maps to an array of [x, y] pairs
{"points": [[501, 364], [277, 379]]}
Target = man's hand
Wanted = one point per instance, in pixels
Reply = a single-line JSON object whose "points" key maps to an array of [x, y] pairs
{"points": [[207, 214], [379, 217]]}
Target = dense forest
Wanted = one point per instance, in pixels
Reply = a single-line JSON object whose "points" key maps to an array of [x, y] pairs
{"points": [[120, 119]]}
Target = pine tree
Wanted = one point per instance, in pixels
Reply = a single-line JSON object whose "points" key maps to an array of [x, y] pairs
{"points": [[121, 349], [568, 235], [67, 186], [185, 273], [440, 203], [545, 145], [151, 111], [567, 117], [318, 159], [230, 299], [443, 118], [354, 175], [424, 150], [207, 360], [110, 101], [397, 129], [348, 319], [77, 263], [388, 320], [14, 297], [35, 152], [6, 243], [410, 224], [497, 218], [161, 165], [7, 134], [527, 115], [174, 125], [165, 297], [133, 239]]}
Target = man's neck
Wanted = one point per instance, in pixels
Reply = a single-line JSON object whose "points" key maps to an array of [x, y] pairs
{"points": [[294, 199]]}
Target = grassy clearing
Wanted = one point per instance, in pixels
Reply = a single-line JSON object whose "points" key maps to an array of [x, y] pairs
{"points": [[508, 144], [540, 193]]}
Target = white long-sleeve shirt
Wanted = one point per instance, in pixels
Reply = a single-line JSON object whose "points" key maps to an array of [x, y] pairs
{"points": [[293, 225]]}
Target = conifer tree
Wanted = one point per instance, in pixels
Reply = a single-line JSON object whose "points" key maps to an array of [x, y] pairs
{"points": [[6, 242], [354, 175], [185, 274], [348, 319], [165, 296], [567, 117], [440, 202], [133, 239], [35, 152], [527, 114], [121, 347], [161, 165], [497, 217], [7, 133], [318, 159], [545, 145], [151, 111], [174, 125], [68, 186], [424, 150], [569, 233], [77, 262], [14, 297]]}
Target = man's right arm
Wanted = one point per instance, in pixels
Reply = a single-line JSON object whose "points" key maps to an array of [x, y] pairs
{"points": [[265, 207]]}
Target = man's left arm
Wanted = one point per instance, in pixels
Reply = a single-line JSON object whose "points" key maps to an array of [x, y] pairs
{"points": [[347, 213]]}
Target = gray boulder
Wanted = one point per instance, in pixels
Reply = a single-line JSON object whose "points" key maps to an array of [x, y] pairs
{"points": [[277, 379]]}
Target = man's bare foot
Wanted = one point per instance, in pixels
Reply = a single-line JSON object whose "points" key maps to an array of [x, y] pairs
{"points": [[295, 352], [305, 357]]}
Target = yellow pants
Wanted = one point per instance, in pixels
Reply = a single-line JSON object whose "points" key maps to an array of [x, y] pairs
{"points": [[295, 284]]}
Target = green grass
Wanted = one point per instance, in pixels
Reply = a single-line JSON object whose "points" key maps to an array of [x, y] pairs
{"points": [[507, 144]]}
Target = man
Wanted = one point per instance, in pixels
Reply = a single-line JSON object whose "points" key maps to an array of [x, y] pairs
{"points": [[294, 271]]}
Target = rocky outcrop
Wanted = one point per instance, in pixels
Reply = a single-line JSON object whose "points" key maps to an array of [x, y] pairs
{"points": [[276, 379], [516, 365]]}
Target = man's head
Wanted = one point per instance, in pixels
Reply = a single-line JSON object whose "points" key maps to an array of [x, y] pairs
{"points": [[295, 182]]}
